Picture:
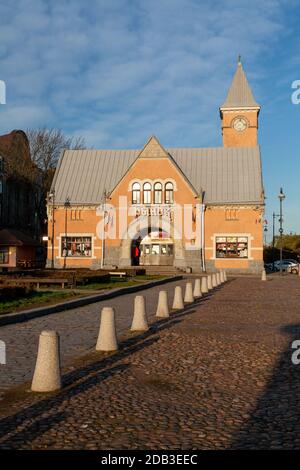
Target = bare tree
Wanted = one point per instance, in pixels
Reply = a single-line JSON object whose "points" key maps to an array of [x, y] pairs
{"points": [[46, 145]]}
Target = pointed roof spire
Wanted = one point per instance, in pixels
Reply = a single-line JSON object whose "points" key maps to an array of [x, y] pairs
{"points": [[240, 94]]}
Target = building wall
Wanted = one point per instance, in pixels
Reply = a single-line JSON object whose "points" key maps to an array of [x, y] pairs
{"points": [[234, 221], [219, 221]]}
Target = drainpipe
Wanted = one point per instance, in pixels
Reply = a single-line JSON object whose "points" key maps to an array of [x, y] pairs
{"points": [[202, 238]]}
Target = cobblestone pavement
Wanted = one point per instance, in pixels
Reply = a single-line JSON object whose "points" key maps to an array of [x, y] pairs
{"points": [[78, 329], [217, 375]]}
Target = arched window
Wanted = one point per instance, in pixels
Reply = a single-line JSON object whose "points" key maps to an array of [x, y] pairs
{"points": [[136, 193], [157, 193], [169, 193], [147, 193]]}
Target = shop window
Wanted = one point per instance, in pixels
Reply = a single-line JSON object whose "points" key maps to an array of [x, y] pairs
{"points": [[4, 255], [76, 247], [136, 193], [147, 193], [169, 193], [231, 247], [158, 193], [154, 249]]}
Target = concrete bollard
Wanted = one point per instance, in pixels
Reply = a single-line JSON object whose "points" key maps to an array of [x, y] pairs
{"points": [[47, 377], [218, 279], [188, 295], [263, 275], [107, 338], [139, 321], [204, 286], [162, 307], [178, 299], [197, 288], [209, 282], [225, 276], [222, 276], [214, 280]]}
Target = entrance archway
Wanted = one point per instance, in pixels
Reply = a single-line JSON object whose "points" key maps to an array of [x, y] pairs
{"points": [[156, 246]]}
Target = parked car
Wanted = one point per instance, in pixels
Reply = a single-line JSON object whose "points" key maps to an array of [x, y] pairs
{"points": [[289, 265]]}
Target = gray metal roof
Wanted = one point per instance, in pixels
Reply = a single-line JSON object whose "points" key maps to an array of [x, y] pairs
{"points": [[227, 175], [239, 94]]}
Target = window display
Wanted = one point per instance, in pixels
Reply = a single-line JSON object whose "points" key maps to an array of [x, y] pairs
{"points": [[231, 247], [76, 246]]}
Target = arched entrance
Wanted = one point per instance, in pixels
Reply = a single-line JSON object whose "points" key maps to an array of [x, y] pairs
{"points": [[157, 247]]}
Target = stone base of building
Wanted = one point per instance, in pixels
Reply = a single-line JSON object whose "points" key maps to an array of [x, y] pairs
{"points": [[254, 267]]}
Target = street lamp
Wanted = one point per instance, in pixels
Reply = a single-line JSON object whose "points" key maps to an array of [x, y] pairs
{"points": [[52, 197], [273, 239], [66, 205], [281, 197]]}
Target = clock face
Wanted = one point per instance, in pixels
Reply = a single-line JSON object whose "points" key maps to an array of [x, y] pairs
{"points": [[239, 124]]}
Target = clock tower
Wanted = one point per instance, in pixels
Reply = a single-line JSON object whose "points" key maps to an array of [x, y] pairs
{"points": [[239, 113]]}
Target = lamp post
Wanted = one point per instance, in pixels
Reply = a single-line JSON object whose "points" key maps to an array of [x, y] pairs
{"points": [[52, 197], [66, 205], [281, 197], [273, 238]]}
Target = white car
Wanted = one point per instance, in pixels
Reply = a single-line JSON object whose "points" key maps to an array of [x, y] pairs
{"points": [[289, 265]]}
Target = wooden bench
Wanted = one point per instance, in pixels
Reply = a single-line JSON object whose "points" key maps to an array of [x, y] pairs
{"points": [[117, 273], [37, 282]]}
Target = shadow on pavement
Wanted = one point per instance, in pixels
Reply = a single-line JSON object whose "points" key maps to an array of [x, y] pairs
{"points": [[275, 422], [26, 425]]}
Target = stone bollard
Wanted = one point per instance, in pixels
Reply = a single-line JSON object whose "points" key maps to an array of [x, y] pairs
{"points": [[204, 286], [225, 276], [222, 276], [46, 377], [218, 279], [188, 295], [214, 280], [107, 338], [209, 282], [197, 289], [178, 299], [162, 307], [139, 322], [263, 275]]}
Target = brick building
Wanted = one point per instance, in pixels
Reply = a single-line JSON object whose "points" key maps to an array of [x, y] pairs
{"points": [[19, 226], [184, 207]]}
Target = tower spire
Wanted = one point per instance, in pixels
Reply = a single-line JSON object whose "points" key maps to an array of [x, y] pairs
{"points": [[240, 94]]}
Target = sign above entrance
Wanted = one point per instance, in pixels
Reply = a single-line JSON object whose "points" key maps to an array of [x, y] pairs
{"points": [[154, 210]]}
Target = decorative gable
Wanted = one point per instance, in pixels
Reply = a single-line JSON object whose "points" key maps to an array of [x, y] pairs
{"points": [[153, 149]]}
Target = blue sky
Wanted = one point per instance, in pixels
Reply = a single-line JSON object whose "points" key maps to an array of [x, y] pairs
{"points": [[117, 71]]}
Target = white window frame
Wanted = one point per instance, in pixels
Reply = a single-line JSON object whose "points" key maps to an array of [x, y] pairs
{"points": [[92, 237], [216, 235]]}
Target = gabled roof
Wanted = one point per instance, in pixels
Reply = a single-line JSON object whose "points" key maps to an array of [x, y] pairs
{"points": [[240, 94], [226, 175], [11, 237]]}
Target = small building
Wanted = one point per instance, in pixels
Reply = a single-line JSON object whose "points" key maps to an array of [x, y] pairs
{"points": [[198, 208], [19, 228], [18, 250]]}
